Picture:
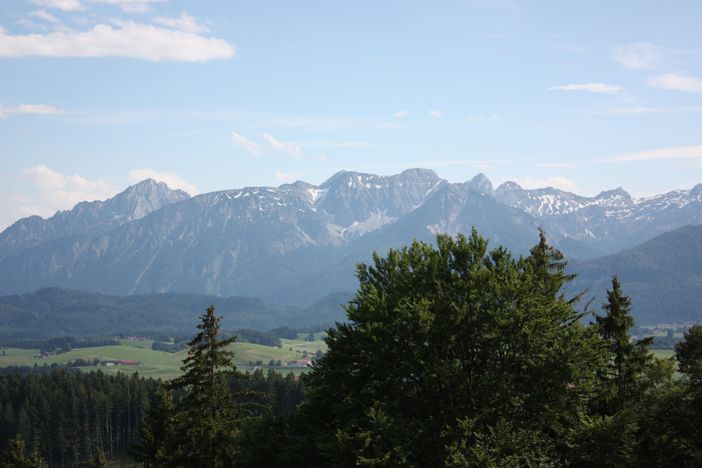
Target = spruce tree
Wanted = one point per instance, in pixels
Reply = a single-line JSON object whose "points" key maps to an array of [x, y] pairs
{"points": [[206, 415], [628, 359], [157, 432]]}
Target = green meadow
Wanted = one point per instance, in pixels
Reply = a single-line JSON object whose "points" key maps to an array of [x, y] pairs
{"points": [[159, 364]]}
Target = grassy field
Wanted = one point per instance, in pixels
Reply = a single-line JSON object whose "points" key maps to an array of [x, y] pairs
{"points": [[663, 353], [159, 364]]}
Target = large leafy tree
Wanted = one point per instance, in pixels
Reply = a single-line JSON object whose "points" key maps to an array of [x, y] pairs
{"points": [[448, 349]]}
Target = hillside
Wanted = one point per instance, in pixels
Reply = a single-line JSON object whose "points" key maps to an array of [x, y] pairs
{"points": [[55, 312], [663, 276]]}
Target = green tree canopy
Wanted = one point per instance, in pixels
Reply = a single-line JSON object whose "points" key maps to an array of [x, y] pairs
{"points": [[689, 353], [448, 342]]}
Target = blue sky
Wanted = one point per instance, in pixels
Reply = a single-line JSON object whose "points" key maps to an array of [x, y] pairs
{"points": [[210, 95]]}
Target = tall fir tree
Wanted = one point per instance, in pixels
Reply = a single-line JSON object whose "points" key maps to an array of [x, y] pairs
{"points": [[206, 415], [548, 266], [621, 379], [158, 432]]}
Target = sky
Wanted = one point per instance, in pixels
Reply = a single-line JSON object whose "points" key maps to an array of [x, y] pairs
{"points": [[96, 95]]}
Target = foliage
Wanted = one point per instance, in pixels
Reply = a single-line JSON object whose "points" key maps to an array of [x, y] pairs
{"points": [[64, 415], [17, 457], [689, 353], [196, 419], [437, 336], [621, 378], [258, 337]]}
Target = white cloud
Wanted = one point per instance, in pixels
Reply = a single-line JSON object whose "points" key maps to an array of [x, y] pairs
{"points": [[130, 6], [676, 82], [57, 191], [638, 55], [127, 39], [36, 109], [284, 177], [286, 147], [555, 165], [184, 22], [246, 144], [45, 15], [677, 152], [400, 114], [436, 114], [483, 118], [555, 182], [65, 5], [171, 179], [650, 110], [599, 88]]}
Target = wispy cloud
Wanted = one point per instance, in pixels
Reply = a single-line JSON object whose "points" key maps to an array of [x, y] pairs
{"points": [[599, 88], [184, 22], [53, 190], [45, 15], [246, 144], [130, 6], [400, 114], [555, 182], [286, 147], [125, 39], [35, 109], [338, 144], [677, 152], [171, 179], [435, 113], [65, 5], [555, 165], [284, 177], [483, 118], [676, 82], [649, 110], [638, 55]]}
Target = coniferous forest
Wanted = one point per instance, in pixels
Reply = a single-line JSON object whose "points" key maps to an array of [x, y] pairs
{"points": [[452, 354]]}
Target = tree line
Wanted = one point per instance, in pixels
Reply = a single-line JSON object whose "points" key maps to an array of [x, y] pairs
{"points": [[453, 354]]}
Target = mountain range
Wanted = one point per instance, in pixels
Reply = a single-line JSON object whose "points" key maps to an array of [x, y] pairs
{"points": [[297, 243]]}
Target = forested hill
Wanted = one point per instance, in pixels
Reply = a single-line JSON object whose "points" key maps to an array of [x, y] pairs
{"points": [[663, 276], [54, 312]]}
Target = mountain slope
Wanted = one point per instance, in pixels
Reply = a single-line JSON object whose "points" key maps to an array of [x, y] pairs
{"points": [[610, 221], [663, 276], [298, 242], [89, 218], [55, 312]]}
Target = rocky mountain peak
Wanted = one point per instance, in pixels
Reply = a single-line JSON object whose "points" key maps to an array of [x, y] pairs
{"points": [[508, 186], [142, 198], [617, 193], [480, 183]]}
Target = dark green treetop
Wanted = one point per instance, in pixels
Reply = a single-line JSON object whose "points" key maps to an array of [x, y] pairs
{"points": [[206, 415], [628, 359], [447, 342], [689, 353]]}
